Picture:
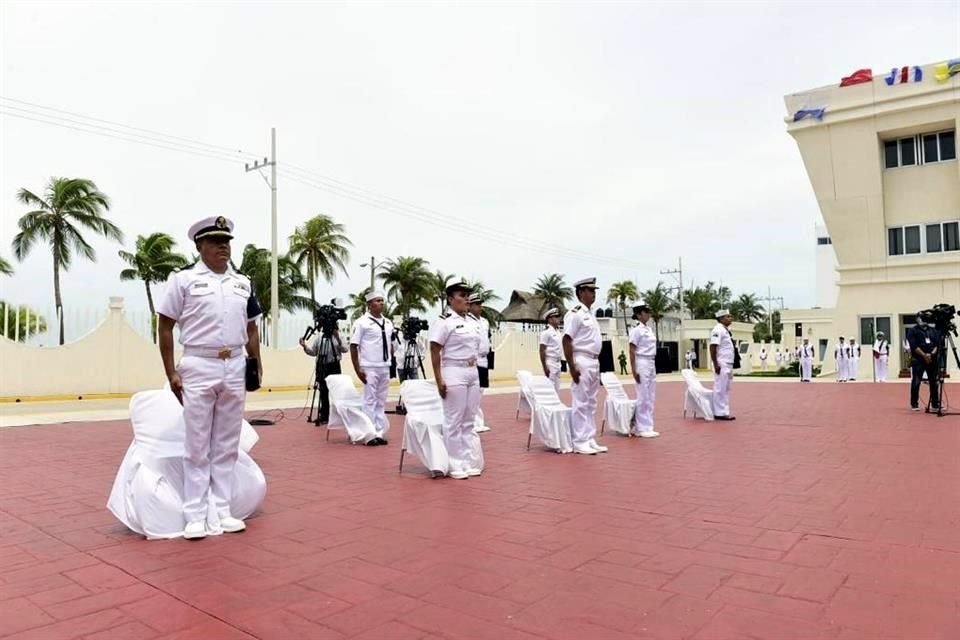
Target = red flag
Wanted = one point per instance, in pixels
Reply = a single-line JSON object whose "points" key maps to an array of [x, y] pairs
{"points": [[857, 77]]}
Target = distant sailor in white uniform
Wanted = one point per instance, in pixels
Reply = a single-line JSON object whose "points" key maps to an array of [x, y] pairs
{"points": [[778, 357], [454, 349], [853, 363], [805, 354], [217, 311], [841, 354], [643, 353], [722, 356], [881, 356], [691, 358], [581, 347], [476, 312], [371, 352], [551, 347], [763, 358]]}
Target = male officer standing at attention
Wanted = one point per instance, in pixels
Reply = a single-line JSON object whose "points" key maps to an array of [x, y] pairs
{"points": [[722, 356], [217, 311], [476, 310], [371, 351], [805, 353], [581, 347], [881, 357], [551, 347]]}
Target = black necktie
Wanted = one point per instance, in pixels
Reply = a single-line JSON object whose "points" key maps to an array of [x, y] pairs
{"points": [[383, 337]]}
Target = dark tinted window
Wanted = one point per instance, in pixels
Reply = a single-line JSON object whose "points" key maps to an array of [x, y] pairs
{"points": [[933, 238], [911, 239], [895, 241], [930, 153], [951, 236], [890, 157], [948, 145], [908, 155]]}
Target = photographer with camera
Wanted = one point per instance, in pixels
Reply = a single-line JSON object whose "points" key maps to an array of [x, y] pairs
{"points": [[371, 351], [327, 348], [924, 340]]}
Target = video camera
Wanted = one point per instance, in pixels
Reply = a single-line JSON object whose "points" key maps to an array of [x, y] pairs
{"points": [[325, 318], [941, 316], [412, 326]]}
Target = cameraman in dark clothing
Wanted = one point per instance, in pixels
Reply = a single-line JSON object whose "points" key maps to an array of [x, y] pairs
{"points": [[328, 354], [924, 341]]}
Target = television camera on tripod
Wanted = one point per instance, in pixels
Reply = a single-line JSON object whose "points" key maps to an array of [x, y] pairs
{"points": [[327, 349], [929, 351], [411, 367]]}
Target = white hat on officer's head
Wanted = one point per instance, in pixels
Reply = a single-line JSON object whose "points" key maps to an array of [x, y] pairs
{"points": [[552, 311], [586, 283], [214, 226], [373, 295], [722, 312], [475, 298]]}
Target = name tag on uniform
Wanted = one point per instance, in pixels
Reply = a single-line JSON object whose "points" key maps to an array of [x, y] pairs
{"points": [[241, 289], [200, 288]]}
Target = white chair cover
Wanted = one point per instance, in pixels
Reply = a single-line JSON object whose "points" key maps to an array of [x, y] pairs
{"points": [[550, 419], [347, 411], [697, 399], [423, 426], [618, 408], [147, 494], [524, 397]]}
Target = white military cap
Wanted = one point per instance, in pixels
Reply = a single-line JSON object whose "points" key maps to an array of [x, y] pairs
{"points": [[586, 283], [458, 286], [475, 299], [721, 313], [210, 227], [552, 311], [373, 295], [881, 333]]}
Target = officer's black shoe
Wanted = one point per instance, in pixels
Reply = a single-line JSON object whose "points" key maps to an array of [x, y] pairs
{"points": [[727, 418], [383, 441], [372, 443]]}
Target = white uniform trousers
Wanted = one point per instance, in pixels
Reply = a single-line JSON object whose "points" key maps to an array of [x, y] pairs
{"points": [[553, 366], [459, 412], [213, 398], [853, 366], [583, 426], [806, 368], [841, 369], [882, 363], [721, 389], [375, 398], [646, 395]]}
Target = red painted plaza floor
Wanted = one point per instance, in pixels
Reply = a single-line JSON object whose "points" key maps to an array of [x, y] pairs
{"points": [[824, 511]]}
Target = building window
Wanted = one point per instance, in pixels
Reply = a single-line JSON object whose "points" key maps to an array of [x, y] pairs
{"points": [[925, 148], [870, 325], [931, 238], [826, 240]]}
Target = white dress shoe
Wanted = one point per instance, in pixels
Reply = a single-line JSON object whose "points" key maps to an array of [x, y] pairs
{"points": [[229, 524], [459, 475], [195, 530], [649, 434], [584, 449], [472, 473], [599, 448], [481, 429]]}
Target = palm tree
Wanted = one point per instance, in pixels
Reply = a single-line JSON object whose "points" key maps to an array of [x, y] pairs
{"points": [[746, 308], [554, 291], [441, 280], [320, 247], [410, 284], [620, 293], [357, 304], [153, 261], [68, 206], [255, 264], [660, 303], [488, 296], [5, 268], [703, 302], [20, 317]]}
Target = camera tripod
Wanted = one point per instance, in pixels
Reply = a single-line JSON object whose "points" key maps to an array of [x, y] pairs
{"points": [[321, 370], [942, 359], [412, 362]]}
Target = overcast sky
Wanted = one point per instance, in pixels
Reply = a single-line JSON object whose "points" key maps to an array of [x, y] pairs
{"points": [[637, 131]]}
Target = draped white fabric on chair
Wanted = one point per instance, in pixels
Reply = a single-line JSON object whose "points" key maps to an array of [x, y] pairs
{"points": [[423, 426], [147, 494], [697, 399], [347, 410], [550, 418], [618, 408]]}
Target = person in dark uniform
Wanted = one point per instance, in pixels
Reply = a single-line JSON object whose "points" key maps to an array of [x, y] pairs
{"points": [[622, 360], [924, 341]]}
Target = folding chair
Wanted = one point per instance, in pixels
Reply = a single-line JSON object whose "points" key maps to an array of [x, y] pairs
{"points": [[550, 418], [524, 397], [423, 425], [697, 399], [619, 408], [347, 410]]}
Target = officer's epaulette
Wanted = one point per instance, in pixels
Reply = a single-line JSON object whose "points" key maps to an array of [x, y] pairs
{"points": [[189, 266], [576, 308], [444, 315]]}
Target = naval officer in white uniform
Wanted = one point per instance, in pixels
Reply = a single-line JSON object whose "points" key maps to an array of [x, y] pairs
{"points": [[371, 352], [881, 356], [551, 347], [476, 312], [454, 349], [217, 311], [722, 356], [805, 353], [581, 347], [643, 354]]}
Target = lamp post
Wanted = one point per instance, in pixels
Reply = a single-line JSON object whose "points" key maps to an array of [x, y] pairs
{"points": [[374, 265]]}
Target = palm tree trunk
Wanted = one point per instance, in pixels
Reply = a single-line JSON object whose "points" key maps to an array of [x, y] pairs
{"points": [[57, 299]]}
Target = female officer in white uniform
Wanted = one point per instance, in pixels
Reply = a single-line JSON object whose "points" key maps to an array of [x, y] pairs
{"points": [[551, 347], [454, 349], [643, 353]]}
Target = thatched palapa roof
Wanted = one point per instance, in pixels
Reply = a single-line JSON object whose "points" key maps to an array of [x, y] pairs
{"points": [[524, 307]]}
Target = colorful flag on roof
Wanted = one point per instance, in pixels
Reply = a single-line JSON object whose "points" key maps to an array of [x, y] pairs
{"points": [[857, 77], [946, 70], [904, 75]]}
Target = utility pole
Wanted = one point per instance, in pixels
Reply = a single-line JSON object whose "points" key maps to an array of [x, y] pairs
{"points": [[679, 273], [770, 299], [373, 271], [274, 268]]}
